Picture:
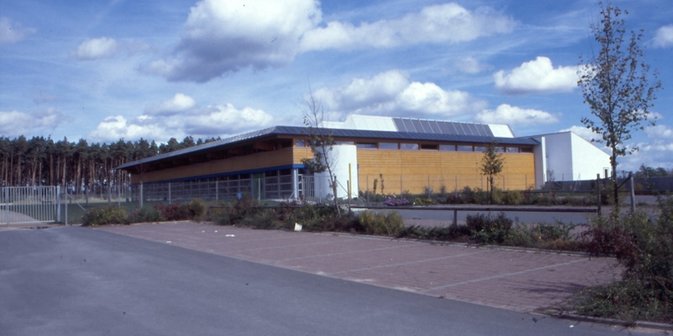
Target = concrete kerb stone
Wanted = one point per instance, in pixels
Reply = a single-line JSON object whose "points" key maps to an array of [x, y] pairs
{"points": [[610, 321]]}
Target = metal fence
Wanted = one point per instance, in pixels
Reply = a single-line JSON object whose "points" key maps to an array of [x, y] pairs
{"points": [[421, 184], [29, 205]]}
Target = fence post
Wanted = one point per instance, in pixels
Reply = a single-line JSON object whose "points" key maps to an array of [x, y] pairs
{"points": [[633, 193], [598, 189], [58, 204], [140, 200]]}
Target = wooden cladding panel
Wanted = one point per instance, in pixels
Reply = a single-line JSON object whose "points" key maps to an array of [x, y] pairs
{"points": [[414, 171], [281, 157]]}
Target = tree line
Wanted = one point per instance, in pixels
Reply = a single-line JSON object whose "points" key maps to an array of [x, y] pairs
{"points": [[78, 166]]}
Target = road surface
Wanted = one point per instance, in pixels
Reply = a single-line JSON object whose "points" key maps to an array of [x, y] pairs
{"points": [[78, 281]]}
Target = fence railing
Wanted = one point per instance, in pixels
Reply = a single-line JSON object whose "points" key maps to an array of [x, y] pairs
{"points": [[29, 205]]}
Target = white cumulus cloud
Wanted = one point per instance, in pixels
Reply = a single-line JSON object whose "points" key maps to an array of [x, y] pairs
{"points": [[15, 123], [584, 132], [210, 121], [178, 103], [221, 37], [659, 132], [11, 32], [96, 48], [538, 75], [664, 36], [513, 115], [226, 36], [392, 93], [445, 23]]}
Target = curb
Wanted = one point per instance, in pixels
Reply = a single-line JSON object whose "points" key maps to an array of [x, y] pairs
{"points": [[611, 321]]}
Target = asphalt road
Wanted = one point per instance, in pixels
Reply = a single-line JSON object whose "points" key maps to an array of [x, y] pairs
{"points": [[77, 281]]}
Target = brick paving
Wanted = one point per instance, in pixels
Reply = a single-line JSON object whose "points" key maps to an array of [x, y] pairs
{"points": [[515, 279]]}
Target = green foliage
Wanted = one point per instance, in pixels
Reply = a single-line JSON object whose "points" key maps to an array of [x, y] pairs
{"points": [[228, 213], [174, 212], [448, 233], [104, 216], [491, 165], [645, 248], [197, 209], [485, 229], [617, 86], [144, 215], [545, 236], [624, 300], [389, 224]]}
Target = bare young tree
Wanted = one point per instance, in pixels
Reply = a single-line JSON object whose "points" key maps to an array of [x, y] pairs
{"points": [[321, 143], [617, 86]]}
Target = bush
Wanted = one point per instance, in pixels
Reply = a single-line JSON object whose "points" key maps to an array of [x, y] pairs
{"points": [[103, 216], [645, 248], [512, 197], [174, 212], [448, 233], [145, 214], [228, 213], [197, 209], [389, 224], [485, 229], [394, 201]]}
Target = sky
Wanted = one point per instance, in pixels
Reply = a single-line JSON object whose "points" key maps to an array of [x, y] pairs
{"points": [[105, 70]]}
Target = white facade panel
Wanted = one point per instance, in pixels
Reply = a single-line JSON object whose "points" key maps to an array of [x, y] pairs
{"points": [[344, 162], [501, 131], [588, 160], [566, 156]]}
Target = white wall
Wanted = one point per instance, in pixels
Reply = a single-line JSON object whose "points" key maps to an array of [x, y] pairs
{"points": [[341, 157], [566, 156], [588, 160]]}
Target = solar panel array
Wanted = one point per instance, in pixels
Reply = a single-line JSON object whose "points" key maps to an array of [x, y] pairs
{"points": [[441, 127]]}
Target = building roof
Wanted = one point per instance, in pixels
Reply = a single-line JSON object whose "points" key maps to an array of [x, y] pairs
{"points": [[337, 134]]}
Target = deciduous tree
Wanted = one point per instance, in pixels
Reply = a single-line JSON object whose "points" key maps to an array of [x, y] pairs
{"points": [[617, 86]]}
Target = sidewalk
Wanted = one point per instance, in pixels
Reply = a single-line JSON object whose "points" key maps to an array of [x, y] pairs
{"points": [[519, 280]]}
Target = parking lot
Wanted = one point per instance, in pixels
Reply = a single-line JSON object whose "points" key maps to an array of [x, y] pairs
{"points": [[515, 279]]}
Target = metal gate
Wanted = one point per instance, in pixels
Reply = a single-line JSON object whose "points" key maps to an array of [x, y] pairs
{"points": [[29, 205]]}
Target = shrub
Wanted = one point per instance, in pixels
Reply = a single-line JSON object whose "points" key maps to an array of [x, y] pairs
{"points": [[197, 209], [174, 212], [645, 248], [394, 201], [453, 232], [389, 224], [485, 229], [228, 213], [103, 216], [145, 214], [512, 197], [263, 219]]}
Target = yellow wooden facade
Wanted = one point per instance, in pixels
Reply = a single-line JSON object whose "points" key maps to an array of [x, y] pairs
{"points": [[397, 171]]}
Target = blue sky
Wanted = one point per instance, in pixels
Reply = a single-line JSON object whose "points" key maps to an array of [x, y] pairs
{"points": [[104, 70]]}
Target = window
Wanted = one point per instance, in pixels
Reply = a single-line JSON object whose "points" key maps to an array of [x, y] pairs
{"points": [[429, 147], [388, 145], [299, 143], [366, 145], [480, 149], [409, 146], [464, 148], [447, 148]]}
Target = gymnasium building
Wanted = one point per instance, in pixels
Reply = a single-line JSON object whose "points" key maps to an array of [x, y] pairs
{"points": [[382, 155]]}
